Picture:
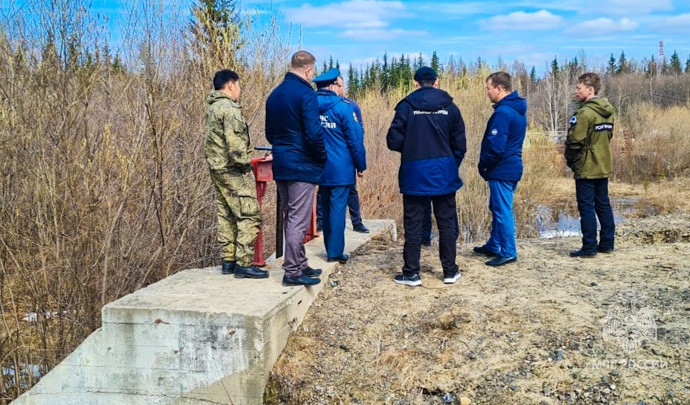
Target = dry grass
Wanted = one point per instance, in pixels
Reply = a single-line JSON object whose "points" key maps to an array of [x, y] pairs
{"points": [[653, 143], [104, 188]]}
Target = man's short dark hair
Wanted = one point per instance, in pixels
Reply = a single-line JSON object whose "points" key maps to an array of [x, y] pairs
{"points": [[502, 79], [222, 77], [302, 59], [591, 80]]}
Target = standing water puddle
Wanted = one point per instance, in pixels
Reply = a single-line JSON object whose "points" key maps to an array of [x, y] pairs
{"points": [[563, 219]]}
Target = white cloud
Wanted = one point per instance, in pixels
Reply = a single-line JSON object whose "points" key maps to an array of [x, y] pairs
{"points": [[522, 21], [598, 7], [352, 15], [380, 34], [678, 23], [602, 26], [624, 7], [439, 10]]}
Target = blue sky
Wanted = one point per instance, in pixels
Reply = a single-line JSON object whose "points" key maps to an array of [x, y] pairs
{"points": [[527, 30], [531, 31]]}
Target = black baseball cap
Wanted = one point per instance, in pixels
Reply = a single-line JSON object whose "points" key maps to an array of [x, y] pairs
{"points": [[425, 73]]}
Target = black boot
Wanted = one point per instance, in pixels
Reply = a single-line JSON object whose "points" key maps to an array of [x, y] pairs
{"points": [[228, 267], [309, 272], [250, 272]]}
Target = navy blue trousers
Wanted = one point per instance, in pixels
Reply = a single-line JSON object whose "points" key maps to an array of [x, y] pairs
{"points": [[593, 203], [447, 221], [334, 201], [352, 205]]}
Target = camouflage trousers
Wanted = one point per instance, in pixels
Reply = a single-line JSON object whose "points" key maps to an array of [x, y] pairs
{"points": [[238, 215]]}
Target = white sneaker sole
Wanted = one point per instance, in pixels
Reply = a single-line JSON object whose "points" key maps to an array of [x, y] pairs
{"points": [[409, 282], [452, 280]]}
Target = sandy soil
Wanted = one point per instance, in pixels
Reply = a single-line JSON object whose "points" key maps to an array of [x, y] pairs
{"points": [[548, 329]]}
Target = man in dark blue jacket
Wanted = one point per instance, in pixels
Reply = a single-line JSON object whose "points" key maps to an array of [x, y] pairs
{"points": [[353, 204], [429, 132], [345, 153], [500, 163], [294, 130]]}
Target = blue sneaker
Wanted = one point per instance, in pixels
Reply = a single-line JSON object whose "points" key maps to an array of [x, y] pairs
{"points": [[412, 281]]}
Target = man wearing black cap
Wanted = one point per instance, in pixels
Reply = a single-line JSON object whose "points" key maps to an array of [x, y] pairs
{"points": [[429, 132], [343, 139]]}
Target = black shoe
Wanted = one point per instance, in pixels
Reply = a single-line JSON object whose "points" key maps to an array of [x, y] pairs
{"points": [[250, 272], [601, 250], [342, 259], [426, 243], [301, 280], [412, 281], [582, 253], [227, 267], [482, 250], [309, 272], [361, 228], [500, 261]]}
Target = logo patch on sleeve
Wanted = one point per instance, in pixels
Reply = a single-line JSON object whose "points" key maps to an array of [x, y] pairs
{"points": [[573, 120], [494, 131], [355, 116], [605, 126]]}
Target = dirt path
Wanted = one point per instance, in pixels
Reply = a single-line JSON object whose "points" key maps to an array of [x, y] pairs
{"points": [[547, 330]]}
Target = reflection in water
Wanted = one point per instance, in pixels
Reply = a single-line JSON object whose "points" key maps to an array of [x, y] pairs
{"points": [[563, 219]]}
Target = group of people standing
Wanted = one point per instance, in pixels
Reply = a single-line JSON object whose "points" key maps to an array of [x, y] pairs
{"points": [[317, 139]]}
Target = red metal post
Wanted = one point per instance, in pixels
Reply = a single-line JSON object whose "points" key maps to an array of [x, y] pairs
{"points": [[263, 173]]}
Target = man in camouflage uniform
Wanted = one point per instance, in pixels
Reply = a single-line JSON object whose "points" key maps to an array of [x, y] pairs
{"points": [[228, 155]]}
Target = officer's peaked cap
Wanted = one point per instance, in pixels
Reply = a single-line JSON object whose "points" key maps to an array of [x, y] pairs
{"points": [[327, 78]]}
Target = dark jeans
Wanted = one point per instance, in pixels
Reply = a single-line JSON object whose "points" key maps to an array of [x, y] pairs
{"points": [[447, 222], [592, 203]]}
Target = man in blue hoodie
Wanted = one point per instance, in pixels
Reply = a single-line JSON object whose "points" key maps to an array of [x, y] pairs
{"points": [[343, 138], [294, 130], [500, 164], [429, 132]]}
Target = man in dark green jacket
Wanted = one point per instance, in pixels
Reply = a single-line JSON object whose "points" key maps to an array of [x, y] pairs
{"points": [[588, 154], [228, 155]]}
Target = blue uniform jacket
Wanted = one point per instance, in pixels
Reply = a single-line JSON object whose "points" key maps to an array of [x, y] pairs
{"points": [[501, 154], [429, 132], [358, 111], [294, 131], [344, 140]]}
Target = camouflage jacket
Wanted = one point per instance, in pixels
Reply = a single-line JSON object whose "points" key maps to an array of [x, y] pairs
{"points": [[226, 142]]}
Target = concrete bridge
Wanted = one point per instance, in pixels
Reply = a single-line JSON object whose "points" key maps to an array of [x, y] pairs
{"points": [[196, 337]]}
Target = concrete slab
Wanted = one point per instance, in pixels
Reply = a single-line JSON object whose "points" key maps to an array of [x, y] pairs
{"points": [[196, 337]]}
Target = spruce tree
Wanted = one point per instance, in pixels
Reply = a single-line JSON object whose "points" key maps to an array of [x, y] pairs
{"points": [[675, 67]]}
